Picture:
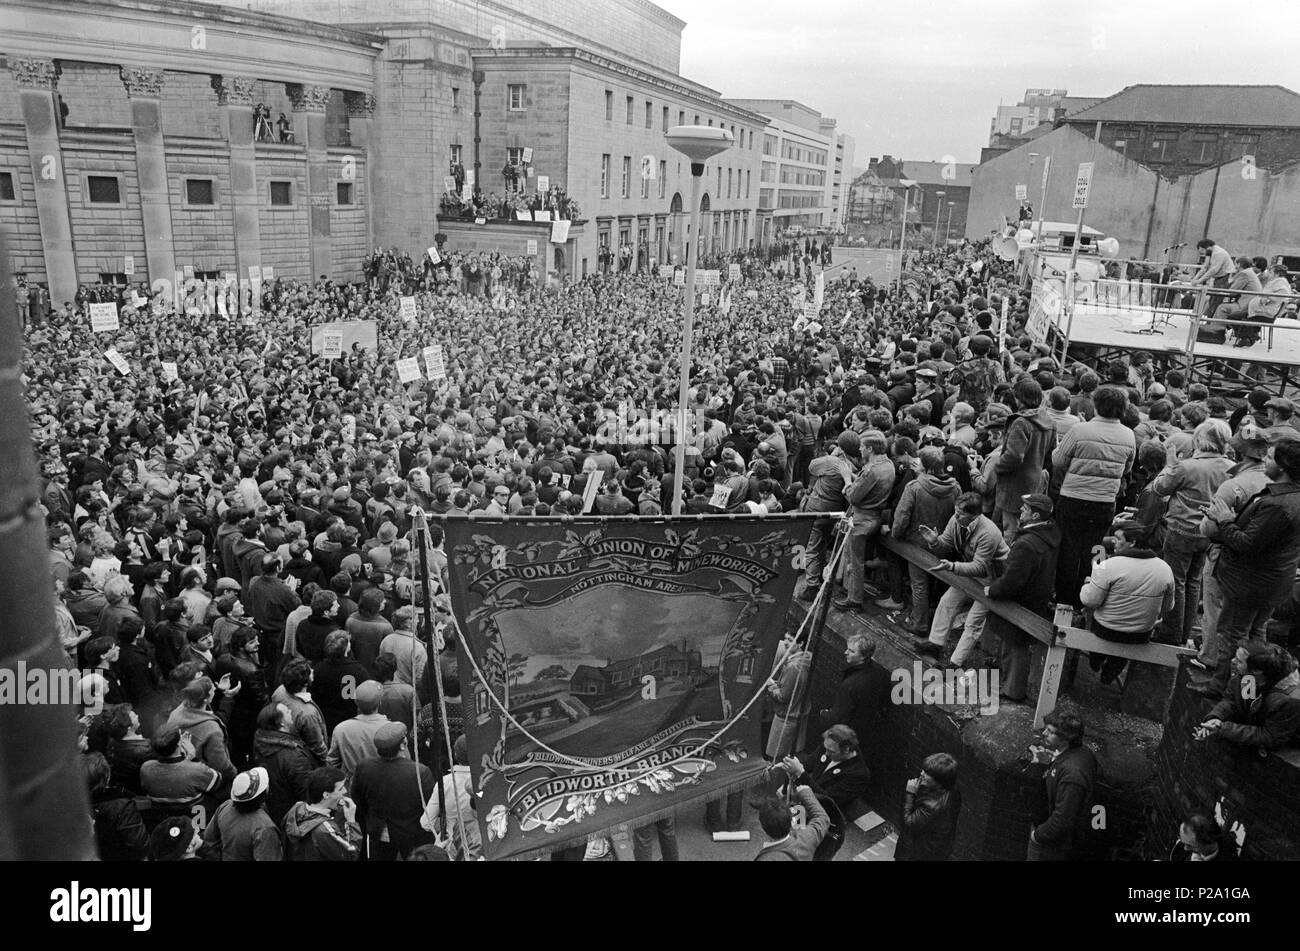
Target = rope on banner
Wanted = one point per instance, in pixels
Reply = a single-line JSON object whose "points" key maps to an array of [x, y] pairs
{"points": [[685, 756], [812, 611]]}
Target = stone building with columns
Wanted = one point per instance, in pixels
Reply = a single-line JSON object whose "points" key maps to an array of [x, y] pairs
{"points": [[127, 142], [129, 149]]}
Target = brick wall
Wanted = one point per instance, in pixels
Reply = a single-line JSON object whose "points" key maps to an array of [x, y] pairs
{"points": [[102, 235], [203, 237], [999, 796], [1260, 792], [285, 230], [18, 220]]}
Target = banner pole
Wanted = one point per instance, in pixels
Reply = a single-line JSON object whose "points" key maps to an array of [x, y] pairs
{"points": [[421, 528]]}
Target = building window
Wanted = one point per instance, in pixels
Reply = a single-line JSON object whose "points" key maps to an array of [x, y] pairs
{"points": [[627, 176], [604, 176], [1162, 148], [649, 114], [697, 119], [718, 190], [609, 105], [631, 102], [281, 193], [663, 178], [747, 174], [515, 156], [1244, 143], [728, 183], [455, 98], [681, 117], [104, 189], [7, 192], [199, 191], [645, 187], [1205, 149], [456, 153], [516, 97], [710, 123], [343, 193], [665, 118]]}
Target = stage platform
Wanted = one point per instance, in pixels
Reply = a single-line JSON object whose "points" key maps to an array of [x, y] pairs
{"points": [[1130, 328]]}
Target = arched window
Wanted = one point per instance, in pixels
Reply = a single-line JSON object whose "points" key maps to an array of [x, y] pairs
{"points": [[704, 203], [675, 208]]}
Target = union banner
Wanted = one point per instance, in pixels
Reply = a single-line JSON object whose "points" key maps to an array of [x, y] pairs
{"points": [[627, 654]]}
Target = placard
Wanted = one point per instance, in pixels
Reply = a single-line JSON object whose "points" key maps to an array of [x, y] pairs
{"points": [[169, 372], [117, 360], [523, 216], [467, 193], [268, 273], [679, 277], [532, 246], [188, 271], [434, 365], [254, 272], [1022, 192], [811, 310], [720, 496], [1082, 182], [559, 231], [480, 221], [128, 265], [449, 184], [408, 369], [433, 254], [528, 156], [591, 489], [103, 317], [733, 272], [543, 184], [332, 344], [469, 177], [708, 278], [408, 311], [541, 216]]}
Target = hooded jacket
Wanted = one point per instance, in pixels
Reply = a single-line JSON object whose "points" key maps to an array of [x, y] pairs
{"points": [[211, 742], [1031, 435], [311, 836], [927, 500]]}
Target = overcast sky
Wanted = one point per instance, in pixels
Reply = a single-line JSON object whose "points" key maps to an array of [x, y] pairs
{"points": [[922, 79]]}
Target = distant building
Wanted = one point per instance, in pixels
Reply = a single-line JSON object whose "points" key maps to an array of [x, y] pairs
{"points": [[797, 174], [876, 198], [618, 676]]}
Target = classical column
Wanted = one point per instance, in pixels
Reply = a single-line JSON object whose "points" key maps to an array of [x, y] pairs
{"points": [[144, 89], [36, 80], [235, 96], [361, 114], [310, 102]]}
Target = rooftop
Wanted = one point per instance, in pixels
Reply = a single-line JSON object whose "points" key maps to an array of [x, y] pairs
{"points": [[1255, 106]]}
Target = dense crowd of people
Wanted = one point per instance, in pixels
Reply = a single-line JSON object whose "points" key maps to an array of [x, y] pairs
{"points": [[233, 554]]}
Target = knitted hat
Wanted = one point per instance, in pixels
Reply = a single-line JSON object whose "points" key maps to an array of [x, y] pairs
{"points": [[170, 839]]}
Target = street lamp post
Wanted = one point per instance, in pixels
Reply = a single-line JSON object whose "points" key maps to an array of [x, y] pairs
{"points": [[699, 144], [947, 229], [938, 207], [902, 241]]}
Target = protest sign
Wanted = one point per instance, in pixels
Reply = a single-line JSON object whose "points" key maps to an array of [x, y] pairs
{"points": [[733, 272], [408, 311], [559, 231], [543, 184], [268, 273], [528, 156], [408, 369], [435, 366], [103, 317], [332, 344], [679, 277], [708, 278], [169, 372], [118, 361], [532, 246], [449, 183], [541, 216], [434, 256], [128, 265]]}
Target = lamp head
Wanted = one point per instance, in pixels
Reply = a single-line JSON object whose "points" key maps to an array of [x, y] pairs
{"points": [[699, 143]]}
